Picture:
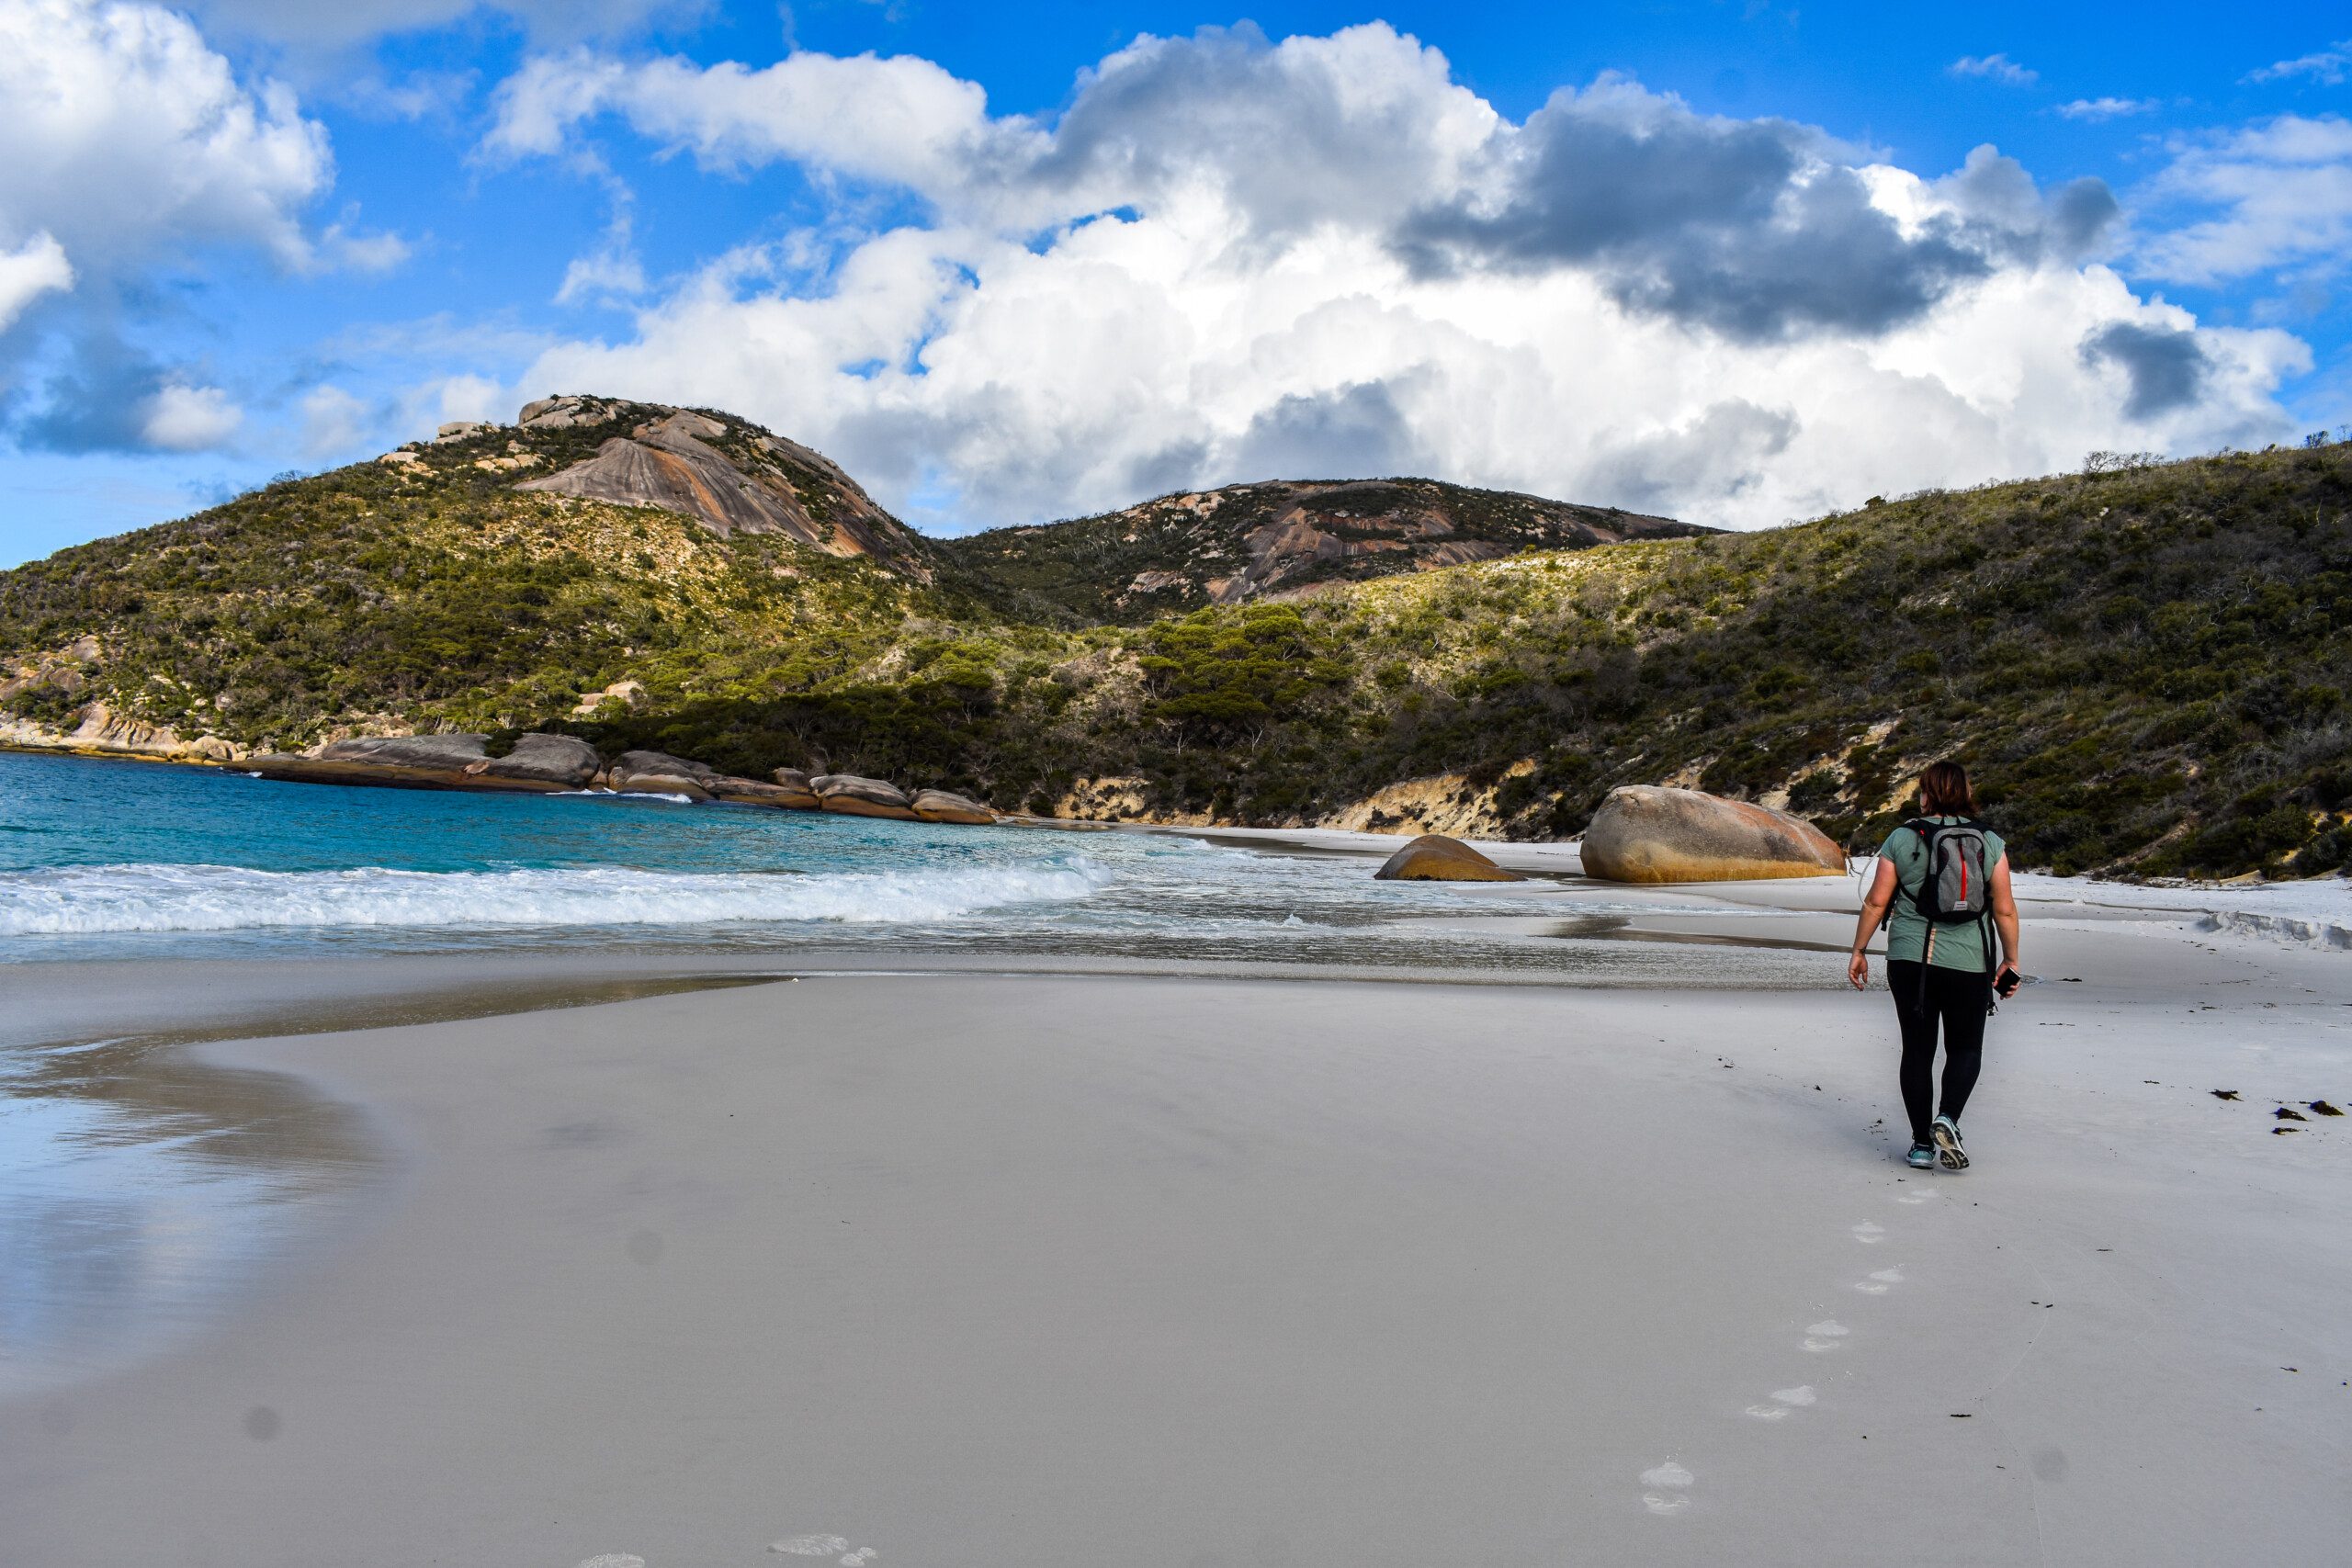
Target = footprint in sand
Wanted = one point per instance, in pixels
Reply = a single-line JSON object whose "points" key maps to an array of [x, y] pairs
{"points": [[1825, 1335], [1911, 1197], [1881, 1282], [1668, 1485], [812, 1546], [1869, 1233], [1783, 1401], [613, 1560]]}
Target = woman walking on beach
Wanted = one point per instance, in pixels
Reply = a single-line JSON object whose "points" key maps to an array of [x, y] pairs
{"points": [[1951, 873]]}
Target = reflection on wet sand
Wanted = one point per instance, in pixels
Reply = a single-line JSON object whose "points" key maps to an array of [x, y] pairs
{"points": [[1619, 927], [139, 1189], [142, 1188]]}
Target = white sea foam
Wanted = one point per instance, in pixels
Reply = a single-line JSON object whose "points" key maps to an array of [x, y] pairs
{"points": [[102, 898], [810, 1545]]}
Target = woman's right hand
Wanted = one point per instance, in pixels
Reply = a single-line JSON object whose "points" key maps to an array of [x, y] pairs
{"points": [[1858, 971]]}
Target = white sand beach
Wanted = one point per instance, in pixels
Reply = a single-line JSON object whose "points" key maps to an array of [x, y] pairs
{"points": [[967, 1263]]}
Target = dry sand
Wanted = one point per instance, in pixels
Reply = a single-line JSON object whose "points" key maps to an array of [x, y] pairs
{"points": [[970, 1269]]}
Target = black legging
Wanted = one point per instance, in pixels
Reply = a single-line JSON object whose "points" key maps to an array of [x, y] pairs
{"points": [[1957, 996]]}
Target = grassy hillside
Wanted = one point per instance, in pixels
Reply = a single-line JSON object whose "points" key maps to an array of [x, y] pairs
{"points": [[2147, 668]]}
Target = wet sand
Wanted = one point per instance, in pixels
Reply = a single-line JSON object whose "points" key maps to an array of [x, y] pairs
{"points": [[1198, 1269]]}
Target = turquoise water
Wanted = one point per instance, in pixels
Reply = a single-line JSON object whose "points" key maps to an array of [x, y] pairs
{"points": [[104, 860]]}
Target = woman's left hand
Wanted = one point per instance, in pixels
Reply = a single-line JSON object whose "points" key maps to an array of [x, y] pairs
{"points": [[1858, 971]]}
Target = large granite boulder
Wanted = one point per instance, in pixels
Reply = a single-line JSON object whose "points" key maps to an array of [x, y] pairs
{"points": [[1433, 857], [451, 751], [947, 805], [658, 772], [855, 796], [1647, 833], [541, 763], [760, 792], [560, 761]]}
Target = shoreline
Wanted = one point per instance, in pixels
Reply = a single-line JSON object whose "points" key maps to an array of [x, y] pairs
{"points": [[1537, 857]]}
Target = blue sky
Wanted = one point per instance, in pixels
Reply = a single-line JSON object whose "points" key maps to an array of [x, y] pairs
{"points": [[1735, 263]]}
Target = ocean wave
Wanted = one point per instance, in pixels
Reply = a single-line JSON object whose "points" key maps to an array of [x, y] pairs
{"points": [[80, 900]]}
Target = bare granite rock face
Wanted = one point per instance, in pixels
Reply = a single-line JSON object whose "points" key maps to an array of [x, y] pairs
{"points": [[564, 760], [1433, 857], [538, 763], [855, 796], [1649, 833], [658, 772], [760, 792], [947, 805], [566, 413], [797, 793], [732, 478]]}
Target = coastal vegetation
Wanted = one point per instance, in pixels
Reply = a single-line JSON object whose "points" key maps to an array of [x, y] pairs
{"points": [[2147, 665]]}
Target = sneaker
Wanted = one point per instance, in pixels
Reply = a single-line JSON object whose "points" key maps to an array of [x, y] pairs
{"points": [[1949, 1153], [1922, 1156]]}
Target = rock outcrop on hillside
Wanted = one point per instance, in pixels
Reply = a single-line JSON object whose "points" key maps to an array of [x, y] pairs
{"points": [[732, 475], [1222, 547], [100, 732], [1647, 833]]}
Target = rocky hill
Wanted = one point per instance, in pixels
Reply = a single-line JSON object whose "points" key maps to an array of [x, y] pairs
{"points": [[2148, 667], [1280, 539], [594, 552]]}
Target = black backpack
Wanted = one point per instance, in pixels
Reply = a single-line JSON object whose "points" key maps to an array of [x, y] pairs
{"points": [[1956, 888]]}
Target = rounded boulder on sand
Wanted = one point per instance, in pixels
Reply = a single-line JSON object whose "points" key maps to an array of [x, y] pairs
{"points": [[1649, 833], [1433, 857]]}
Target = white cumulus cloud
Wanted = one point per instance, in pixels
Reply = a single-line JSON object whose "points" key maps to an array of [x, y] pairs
{"points": [[310, 23], [189, 419], [1995, 68], [128, 143], [1228, 260], [2328, 67], [335, 423], [2106, 108], [2273, 195], [37, 267], [121, 132]]}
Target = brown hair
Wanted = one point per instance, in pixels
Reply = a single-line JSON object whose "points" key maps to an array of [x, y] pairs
{"points": [[1944, 790]]}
